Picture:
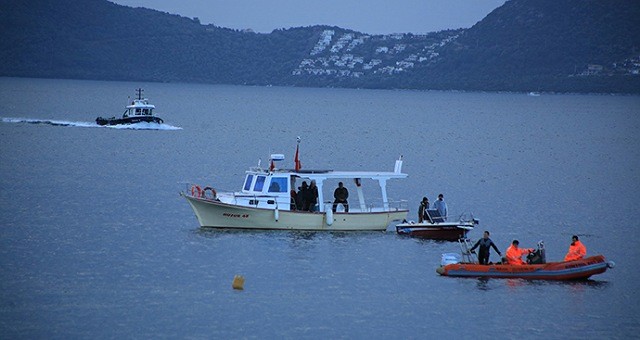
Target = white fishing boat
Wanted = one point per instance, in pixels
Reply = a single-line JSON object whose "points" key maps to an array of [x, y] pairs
{"points": [[268, 200]]}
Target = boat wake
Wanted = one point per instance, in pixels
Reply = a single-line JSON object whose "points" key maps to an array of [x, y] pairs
{"points": [[136, 126]]}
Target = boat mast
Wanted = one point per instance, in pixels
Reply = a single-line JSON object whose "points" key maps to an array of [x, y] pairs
{"points": [[139, 90]]}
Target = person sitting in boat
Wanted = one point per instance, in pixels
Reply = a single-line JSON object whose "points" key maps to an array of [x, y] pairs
{"points": [[577, 250], [485, 244], [514, 254], [423, 215], [340, 196], [441, 206]]}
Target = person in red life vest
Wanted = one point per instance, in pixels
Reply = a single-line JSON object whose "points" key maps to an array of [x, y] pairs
{"points": [[514, 254], [577, 250]]}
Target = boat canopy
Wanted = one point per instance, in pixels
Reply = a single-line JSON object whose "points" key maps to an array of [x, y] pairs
{"points": [[281, 182]]}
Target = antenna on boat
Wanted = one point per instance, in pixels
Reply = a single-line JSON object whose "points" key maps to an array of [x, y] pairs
{"points": [[139, 91]]}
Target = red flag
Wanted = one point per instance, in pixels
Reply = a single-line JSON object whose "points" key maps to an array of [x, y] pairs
{"points": [[272, 166], [297, 160]]}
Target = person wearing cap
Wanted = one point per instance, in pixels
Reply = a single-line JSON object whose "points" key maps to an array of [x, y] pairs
{"points": [[514, 253], [441, 206], [422, 211], [485, 244], [577, 250]]}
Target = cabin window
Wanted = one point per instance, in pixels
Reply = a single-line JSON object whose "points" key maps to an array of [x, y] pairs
{"points": [[138, 111], [247, 182], [278, 184], [259, 183]]}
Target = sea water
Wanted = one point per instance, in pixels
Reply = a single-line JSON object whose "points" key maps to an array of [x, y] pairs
{"points": [[95, 241]]}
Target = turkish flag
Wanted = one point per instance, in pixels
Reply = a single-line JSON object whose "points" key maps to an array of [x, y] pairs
{"points": [[297, 160]]}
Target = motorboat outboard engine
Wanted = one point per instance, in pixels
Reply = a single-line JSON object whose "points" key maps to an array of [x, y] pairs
{"points": [[538, 256]]}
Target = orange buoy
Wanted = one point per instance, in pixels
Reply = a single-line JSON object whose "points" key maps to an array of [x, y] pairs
{"points": [[196, 191], [214, 194], [238, 282]]}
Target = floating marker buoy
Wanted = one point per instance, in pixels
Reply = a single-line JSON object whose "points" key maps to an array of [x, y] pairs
{"points": [[238, 282]]}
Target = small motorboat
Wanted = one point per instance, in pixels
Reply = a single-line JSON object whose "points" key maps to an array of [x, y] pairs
{"points": [[139, 111], [436, 228], [536, 268]]}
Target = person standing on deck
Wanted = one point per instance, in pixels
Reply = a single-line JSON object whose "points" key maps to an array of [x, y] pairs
{"points": [[485, 244], [423, 216], [301, 197], [441, 206], [312, 196]]}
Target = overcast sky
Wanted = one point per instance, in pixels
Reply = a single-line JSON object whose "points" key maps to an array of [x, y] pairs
{"points": [[366, 16]]}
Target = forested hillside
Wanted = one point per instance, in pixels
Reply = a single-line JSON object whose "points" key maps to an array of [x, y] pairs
{"points": [[542, 45]]}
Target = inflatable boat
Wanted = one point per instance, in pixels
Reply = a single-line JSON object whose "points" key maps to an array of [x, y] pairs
{"points": [[536, 267], [571, 270]]}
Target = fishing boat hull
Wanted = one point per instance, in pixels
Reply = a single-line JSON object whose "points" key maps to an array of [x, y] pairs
{"points": [[570, 270], [446, 231], [128, 120], [215, 214]]}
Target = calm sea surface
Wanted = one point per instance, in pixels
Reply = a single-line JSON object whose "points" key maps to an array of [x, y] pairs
{"points": [[95, 241]]}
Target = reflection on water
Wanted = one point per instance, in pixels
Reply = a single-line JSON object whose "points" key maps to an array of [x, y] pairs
{"points": [[483, 284]]}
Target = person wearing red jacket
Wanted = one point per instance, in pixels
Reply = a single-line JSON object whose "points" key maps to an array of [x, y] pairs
{"points": [[514, 254], [577, 250]]}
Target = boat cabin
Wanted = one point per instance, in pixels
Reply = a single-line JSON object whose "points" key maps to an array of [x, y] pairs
{"points": [[139, 107]]}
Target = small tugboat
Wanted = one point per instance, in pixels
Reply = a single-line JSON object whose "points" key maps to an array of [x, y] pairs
{"points": [[267, 200], [436, 228], [139, 111], [536, 268]]}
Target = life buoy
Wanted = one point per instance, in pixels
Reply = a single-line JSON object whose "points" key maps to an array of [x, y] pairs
{"points": [[196, 191], [214, 194]]}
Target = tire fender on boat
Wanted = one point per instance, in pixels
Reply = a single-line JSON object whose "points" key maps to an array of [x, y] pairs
{"points": [[196, 191], [214, 194], [329, 216]]}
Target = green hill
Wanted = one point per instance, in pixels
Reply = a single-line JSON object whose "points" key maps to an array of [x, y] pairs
{"points": [[542, 45]]}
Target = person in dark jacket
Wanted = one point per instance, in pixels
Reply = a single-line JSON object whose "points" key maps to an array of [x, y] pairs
{"points": [[423, 216], [340, 196], [311, 197], [301, 202], [485, 244]]}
